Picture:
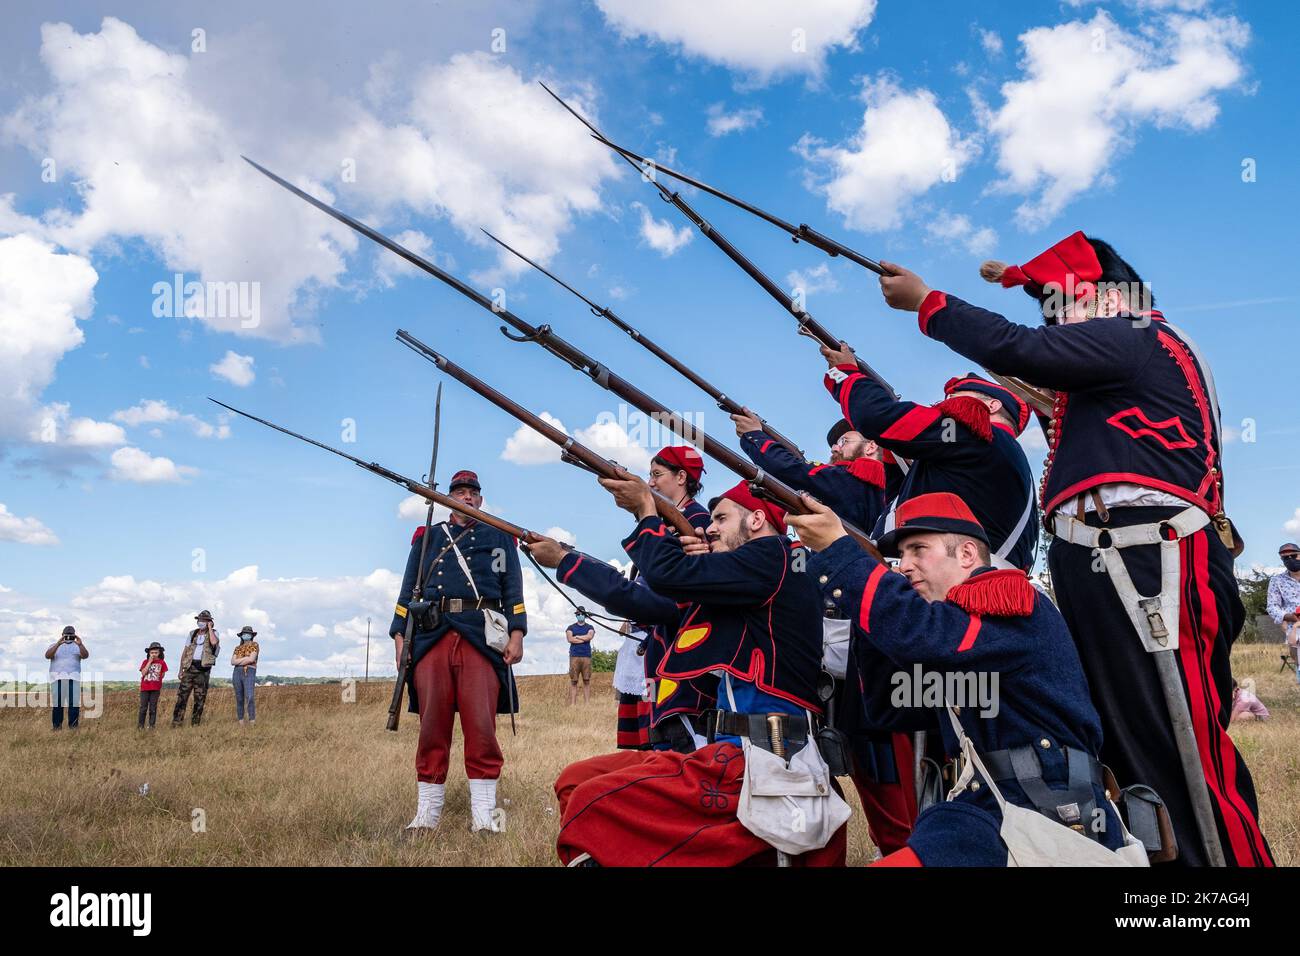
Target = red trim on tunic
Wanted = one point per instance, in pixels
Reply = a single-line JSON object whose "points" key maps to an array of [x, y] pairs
{"points": [[931, 304], [911, 424], [869, 595], [569, 574], [972, 631], [1112, 476]]}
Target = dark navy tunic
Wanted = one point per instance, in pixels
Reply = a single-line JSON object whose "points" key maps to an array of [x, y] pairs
{"points": [[493, 559], [853, 490], [956, 447], [1042, 696]]}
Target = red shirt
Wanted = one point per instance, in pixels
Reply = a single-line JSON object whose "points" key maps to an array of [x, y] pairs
{"points": [[151, 677]]}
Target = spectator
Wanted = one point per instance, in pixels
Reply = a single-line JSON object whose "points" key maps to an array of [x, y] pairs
{"points": [[633, 729], [579, 636], [1284, 587], [244, 678], [1293, 642], [152, 670], [196, 666], [65, 656], [1245, 705]]}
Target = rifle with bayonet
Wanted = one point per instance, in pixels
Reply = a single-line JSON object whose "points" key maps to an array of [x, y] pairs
{"points": [[544, 336], [762, 484], [807, 324], [724, 402], [1038, 399]]}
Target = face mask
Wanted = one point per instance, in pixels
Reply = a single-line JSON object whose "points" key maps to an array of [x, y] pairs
{"points": [[1292, 564]]}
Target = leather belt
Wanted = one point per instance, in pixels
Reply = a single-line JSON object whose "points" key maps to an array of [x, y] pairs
{"points": [[1001, 765], [457, 605], [672, 731], [757, 727]]}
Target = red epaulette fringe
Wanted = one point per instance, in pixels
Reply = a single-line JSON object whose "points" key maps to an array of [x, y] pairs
{"points": [[1001, 593], [418, 533], [971, 412], [868, 470]]}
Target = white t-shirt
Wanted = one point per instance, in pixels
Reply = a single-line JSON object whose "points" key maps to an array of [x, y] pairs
{"points": [[66, 662]]}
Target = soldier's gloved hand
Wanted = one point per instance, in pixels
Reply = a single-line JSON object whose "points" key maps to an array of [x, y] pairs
{"points": [[547, 551], [746, 422], [840, 356], [903, 289], [818, 529]]}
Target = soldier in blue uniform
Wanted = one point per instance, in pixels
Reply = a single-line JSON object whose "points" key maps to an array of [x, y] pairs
{"points": [[949, 613], [853, 485], [676, 473], [464, 644], [1134, 476], [966, 444], [739, 609]]}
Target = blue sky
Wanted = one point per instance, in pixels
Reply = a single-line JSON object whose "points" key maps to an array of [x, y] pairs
{"points": [[928, 134]]}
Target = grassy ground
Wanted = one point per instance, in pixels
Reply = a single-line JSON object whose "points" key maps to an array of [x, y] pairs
{"points": [[319, 781]]}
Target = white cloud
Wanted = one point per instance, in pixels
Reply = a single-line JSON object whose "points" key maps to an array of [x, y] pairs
{"points": [[133, 464], [761, 38], [562, 535], [1089, 86], [660, 234], [904, 147], [24, 530], [1032, 438], [958, 229], [234, 368], [721, 122], [991, 42], [1292, 525], [88, 433], [528, 447], [389, 268], [110, 119], [415, 508], [42, 295], [156, 411], [483, 146], [316, 630], [817, 279]]}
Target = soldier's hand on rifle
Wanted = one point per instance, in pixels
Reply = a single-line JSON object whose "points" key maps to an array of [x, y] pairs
{"points": [[398, 640], [840, 356], [546, 551], [818, 529], [630, 493], [693, 545], [903, 289], [746, 422], [514, 651]]}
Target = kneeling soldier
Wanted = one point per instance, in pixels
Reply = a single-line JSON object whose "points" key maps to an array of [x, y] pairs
{"points": [[952, 614], [749, 616]]}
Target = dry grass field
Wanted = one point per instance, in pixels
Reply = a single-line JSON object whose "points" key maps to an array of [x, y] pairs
{"points": [[319, 781]]}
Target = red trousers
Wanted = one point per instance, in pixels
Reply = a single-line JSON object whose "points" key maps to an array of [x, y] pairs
{"points": [[890, 808], [453, 677], [662, 808]]}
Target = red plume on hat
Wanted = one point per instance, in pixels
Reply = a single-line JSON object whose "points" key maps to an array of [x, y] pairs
{"points": [[684, 458], [742, 496], [1069, 264]]}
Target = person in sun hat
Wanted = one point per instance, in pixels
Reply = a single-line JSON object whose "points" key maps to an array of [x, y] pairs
{"points": [[197, 659]]}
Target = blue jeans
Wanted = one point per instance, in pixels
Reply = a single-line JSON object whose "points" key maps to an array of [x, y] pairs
{"points": [[244, 680], [65, 693]]}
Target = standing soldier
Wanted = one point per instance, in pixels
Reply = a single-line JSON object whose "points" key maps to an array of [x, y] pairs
{"points": [[469, 634], [196, 667], [1132, 490]]}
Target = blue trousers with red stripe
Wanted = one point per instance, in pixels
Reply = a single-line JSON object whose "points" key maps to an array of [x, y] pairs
{"points": [[1139, 743]]}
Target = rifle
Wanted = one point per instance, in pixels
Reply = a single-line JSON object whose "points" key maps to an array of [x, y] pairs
{"points": [[807, 324], [727, 404], [761, 483], [543, 335], [417, 590], [434, 497], [1041, 400]]}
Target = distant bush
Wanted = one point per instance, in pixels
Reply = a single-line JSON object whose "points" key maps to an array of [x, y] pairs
{"points": [[603, 660]]}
